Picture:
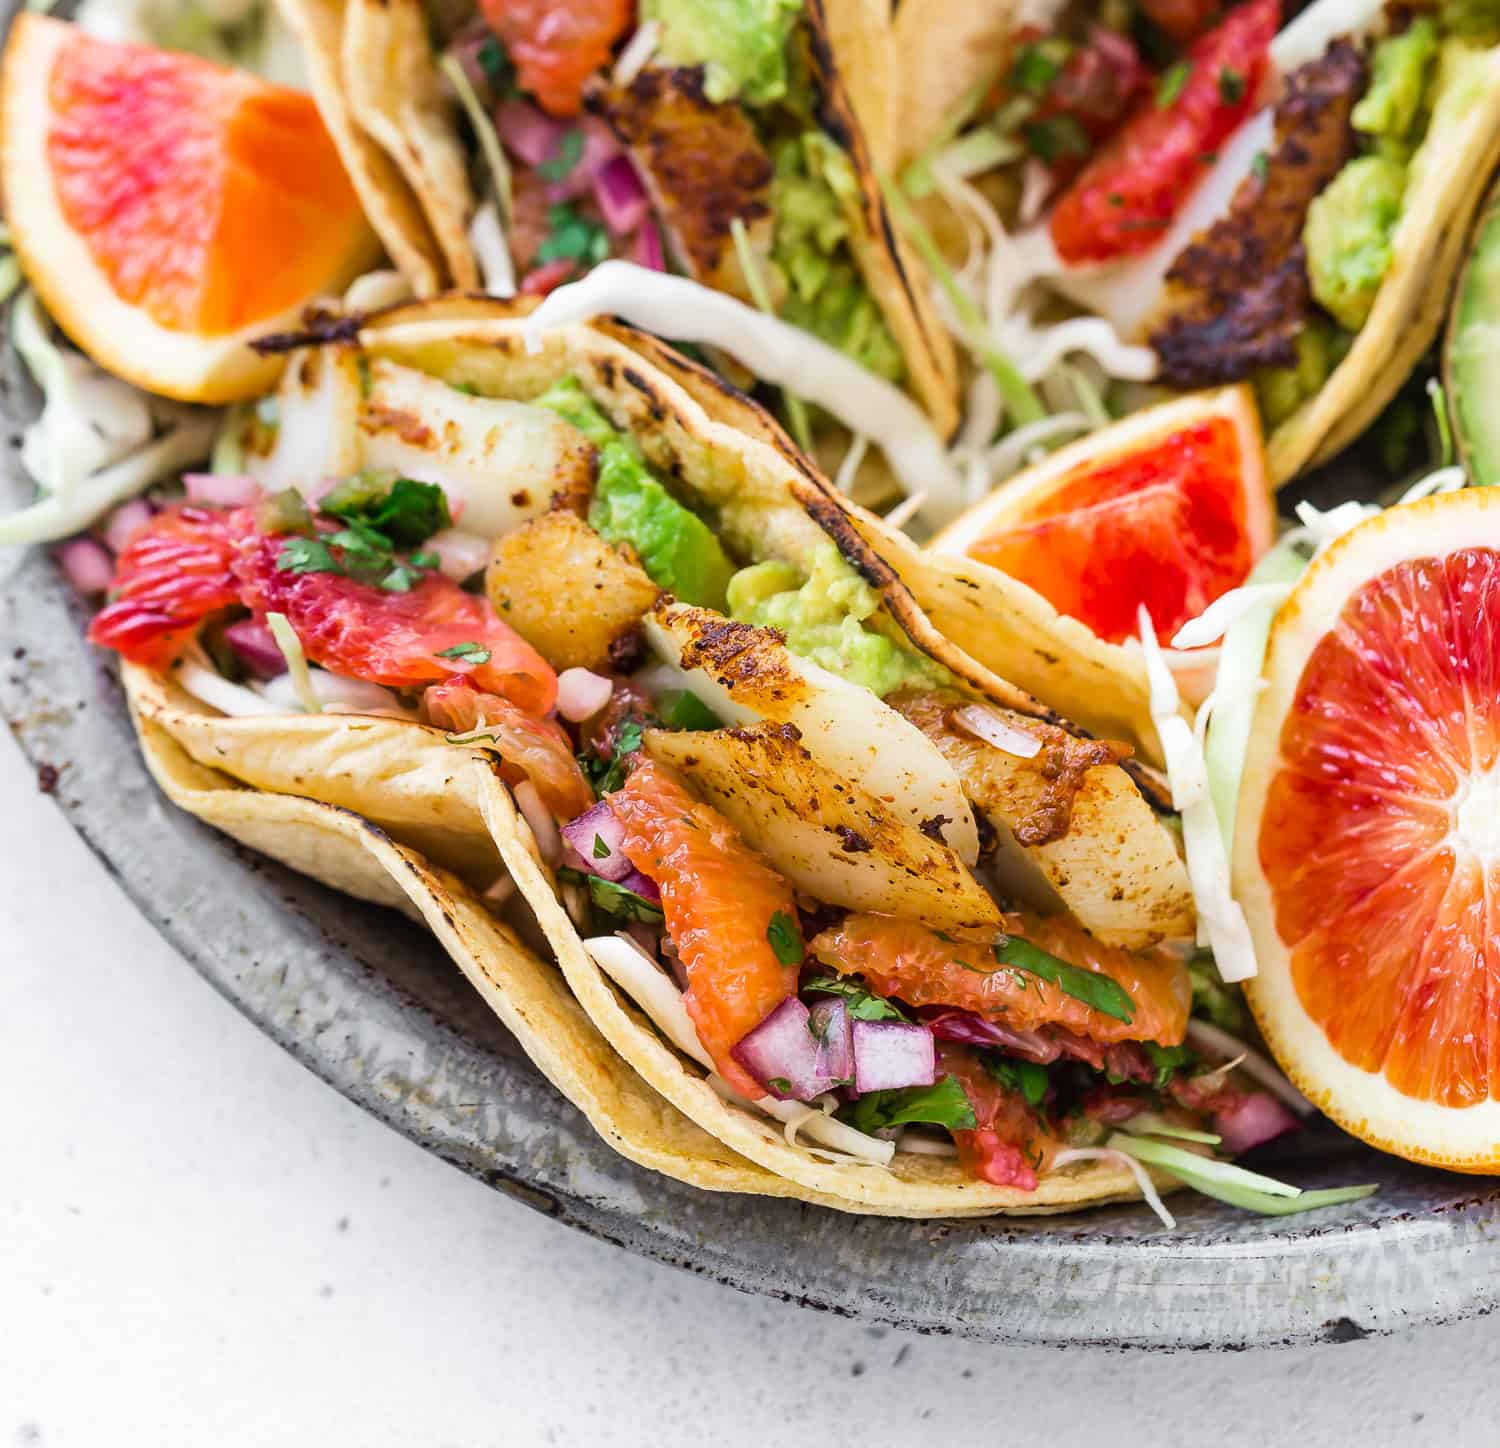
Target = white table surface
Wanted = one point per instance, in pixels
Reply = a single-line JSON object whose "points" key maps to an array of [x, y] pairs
{"points": [[201, 1244]]}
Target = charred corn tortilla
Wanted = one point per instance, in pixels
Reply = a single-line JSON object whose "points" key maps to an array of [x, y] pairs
{"points": [[392, 207]]}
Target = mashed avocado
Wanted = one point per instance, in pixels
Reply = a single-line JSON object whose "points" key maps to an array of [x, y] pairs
{"points": [[741, 44], [1399, 73], [1280, 391], [675, 546], [1348, 237], [825, 294], [824, 620]]}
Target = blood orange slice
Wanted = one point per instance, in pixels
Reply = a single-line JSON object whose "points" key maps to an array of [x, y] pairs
{"points": [[167, 209], [1367, 847], [1168, 508]]}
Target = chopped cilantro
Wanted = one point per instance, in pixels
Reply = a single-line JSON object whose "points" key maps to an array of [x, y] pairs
{"points": [[571, 237], [1169, 87], [943, 1104], [1055, 137], [615, 899], [1168, 1060], [786, 938], [467, 652], [780, 1085], [284, 512], [863, 1004], [1027, 1077], [306, 555], [494, 62], [683, 709], [607, 775], [1231, 85], [1261, 165], [1037, 66], [405, 511], [601, 850], [569, 152], [401, 579], [425, 560], [1099, 991], [1115, 199]]}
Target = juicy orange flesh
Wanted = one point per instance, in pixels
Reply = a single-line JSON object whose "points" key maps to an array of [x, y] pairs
{"points": [[1384, 892], [719, 898], [1166, 526], [207, 197], [923, 968]]}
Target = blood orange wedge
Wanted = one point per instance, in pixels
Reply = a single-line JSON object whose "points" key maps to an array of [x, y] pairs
{"points": [[1367, 840], [1168, 508], [167, 209]]}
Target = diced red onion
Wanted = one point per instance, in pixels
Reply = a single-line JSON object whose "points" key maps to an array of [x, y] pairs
{"points": [[543, 826], [830, 1026], [253, 641], [528, 133], [125, 522], [951, 1024], [782, 1049], [989, 726], [543, 279], [221, 490], [642, 885], [581, 694], [599, 823], [1253, 1120], [621, 197], [460, 555], [646, 936], [892, 1054], [648, 252], [88, 564]]}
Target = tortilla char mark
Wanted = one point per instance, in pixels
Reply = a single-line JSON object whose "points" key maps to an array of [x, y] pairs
{"points": [[702, 163], [1239, 291]]}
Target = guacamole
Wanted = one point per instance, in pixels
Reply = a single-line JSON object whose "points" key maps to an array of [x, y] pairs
{"points": [[825, 294], [1280, 391], [824, 619], [1348, 237], [1399, 72], [676, 548], [741, 44]]}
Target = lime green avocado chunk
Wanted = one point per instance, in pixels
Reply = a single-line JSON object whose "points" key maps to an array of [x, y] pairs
{"points": [[825, 619], [1399, 74], [1348, 237], [676, 547], [741, 44], [1471, 363]]}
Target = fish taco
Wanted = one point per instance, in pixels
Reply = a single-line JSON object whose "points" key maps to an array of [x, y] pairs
{"points": [[680, 628], [718, 141]]}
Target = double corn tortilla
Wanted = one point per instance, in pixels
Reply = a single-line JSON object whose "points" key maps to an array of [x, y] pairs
{"points": [[315, 790]]}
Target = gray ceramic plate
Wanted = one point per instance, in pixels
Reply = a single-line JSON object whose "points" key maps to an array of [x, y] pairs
{"points": [[372, 1006]]}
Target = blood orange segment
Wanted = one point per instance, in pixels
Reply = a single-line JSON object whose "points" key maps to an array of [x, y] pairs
{"points": [[1168, 509], [177, 173], [921, 967], [1368, 837], [395, 639], [719, 898], [1009, 1144], [556, 48], [166, 208], [1126, 197]]}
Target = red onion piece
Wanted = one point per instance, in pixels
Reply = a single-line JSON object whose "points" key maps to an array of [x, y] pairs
{"points": [[460, 554], [642, 885], [948, 1023], [830, 1027], [528, 133], [621, 197], [648, 252], [991, 727], [256, 645], [600, 147], [226, 490], [125, 522], [543, 279], [1251, 1121], [599, 824], [782, 1049], [581, 694], [892, 1054], [88, 564]]}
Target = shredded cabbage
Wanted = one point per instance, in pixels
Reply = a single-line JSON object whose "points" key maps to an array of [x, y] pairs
{"points": [[296, 662], [492, 220], [1143, 1180], [247, 34]]}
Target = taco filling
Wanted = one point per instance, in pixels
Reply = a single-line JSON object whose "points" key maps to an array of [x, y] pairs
{"points": [[1221, 188]]}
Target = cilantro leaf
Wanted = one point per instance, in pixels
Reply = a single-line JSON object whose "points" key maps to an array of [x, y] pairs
{"points": [[615, 899], [1168, 1060], [1099, 991], [1261, 165], [786, 938], [401, 579], [569, 153], [1169, 87], [307, 555], [1027, 1077], [1055, 137], [1231, 85], [467, 652], [943, 1104], [402, 510], [495, 63], [1036, 67], [863, 1003], [608, 775], [601, 850], [571, 237]]}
